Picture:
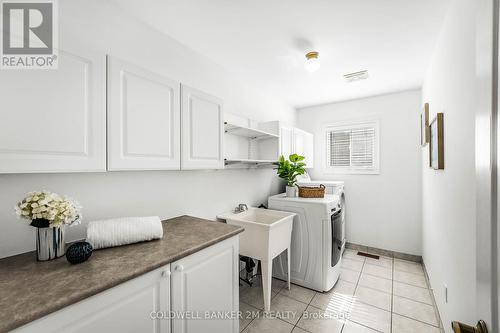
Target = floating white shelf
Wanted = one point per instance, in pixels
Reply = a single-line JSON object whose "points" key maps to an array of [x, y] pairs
{"points": [[248, 161], [248, 132]]}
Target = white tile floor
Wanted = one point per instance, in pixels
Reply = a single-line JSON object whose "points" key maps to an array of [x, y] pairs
{"points": [[386, 295]]}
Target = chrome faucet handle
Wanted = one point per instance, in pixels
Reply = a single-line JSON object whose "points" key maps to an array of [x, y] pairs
{"points": [[241, 208]]}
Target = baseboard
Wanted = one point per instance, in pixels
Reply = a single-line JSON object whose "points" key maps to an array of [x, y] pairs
{"points": [[382, 252]]}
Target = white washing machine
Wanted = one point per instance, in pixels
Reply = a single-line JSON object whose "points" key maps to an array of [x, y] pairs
{"points": [[317, 240], [331, 187]]}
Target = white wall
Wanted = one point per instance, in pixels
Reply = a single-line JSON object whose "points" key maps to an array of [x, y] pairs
{"points": [[102, 26], [449, 234], [383, 210]]}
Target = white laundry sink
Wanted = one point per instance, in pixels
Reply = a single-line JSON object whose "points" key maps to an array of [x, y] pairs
{"points": [[267, 234]]}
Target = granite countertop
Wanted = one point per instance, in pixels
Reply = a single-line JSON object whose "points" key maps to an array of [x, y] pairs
{"points": [[30, 289]]}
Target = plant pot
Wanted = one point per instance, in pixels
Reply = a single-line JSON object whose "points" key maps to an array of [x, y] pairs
{"points": [[49, 243], [291, 191]]}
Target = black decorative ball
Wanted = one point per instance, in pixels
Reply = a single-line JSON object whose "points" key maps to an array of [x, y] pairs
{"points": [[79, 252]]}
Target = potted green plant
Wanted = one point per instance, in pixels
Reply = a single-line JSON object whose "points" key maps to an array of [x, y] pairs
{"points": [[289, 170]]}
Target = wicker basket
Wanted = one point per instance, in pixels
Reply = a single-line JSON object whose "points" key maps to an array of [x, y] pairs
{"points": [[312, 192]]}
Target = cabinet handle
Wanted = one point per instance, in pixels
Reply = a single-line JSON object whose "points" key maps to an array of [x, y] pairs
{"points": [[179, 268], [165, 274]]}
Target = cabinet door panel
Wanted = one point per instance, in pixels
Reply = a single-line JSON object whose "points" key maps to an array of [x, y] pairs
{"points": [[207, 281], [54, 120], [309, 149], [143, 119], [286, 141], [304, 146], [202, 130], [125, 308]]}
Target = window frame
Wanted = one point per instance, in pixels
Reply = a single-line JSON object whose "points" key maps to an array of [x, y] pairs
{"points": [[375, 169]]}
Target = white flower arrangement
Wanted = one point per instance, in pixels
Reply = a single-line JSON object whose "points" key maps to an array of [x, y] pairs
{"points": [[51, 207]]}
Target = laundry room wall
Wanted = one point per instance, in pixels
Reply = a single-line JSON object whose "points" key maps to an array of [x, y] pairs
{"points": [[383, 210], [102, 26], [449, 198]]}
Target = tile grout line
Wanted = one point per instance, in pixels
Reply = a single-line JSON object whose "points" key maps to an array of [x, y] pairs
{"points": [[392, 294], [392, 291], [308, 304], [412, 285], [393, 269], [392, 279], [371, 288], [410, 299], [258, 310], [370, 328], [392, 311], [418, 320], [356, 287]]}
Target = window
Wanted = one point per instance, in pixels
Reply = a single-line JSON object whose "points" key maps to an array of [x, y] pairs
{"points": [[353, 148]]}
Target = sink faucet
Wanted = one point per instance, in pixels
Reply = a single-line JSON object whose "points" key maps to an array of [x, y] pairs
{"points": [[241, 208]]}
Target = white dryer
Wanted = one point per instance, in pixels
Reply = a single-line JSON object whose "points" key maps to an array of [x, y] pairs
{"points": [[331, 186], [317, 240]]}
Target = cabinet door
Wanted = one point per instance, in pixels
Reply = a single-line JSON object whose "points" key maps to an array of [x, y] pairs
{"points": [[143, 119], [303, 143], [55, 120], [286, 141], [207, 283], [202, 130], [127, 308]]}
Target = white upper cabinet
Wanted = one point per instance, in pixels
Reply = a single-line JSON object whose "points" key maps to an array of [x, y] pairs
{"points": [[303, 143], [293, 141], [143, 119], [286, 141], [202, 130], [55, 120]]}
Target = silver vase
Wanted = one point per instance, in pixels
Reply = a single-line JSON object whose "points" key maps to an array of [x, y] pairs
{"points": [[49, 243]]}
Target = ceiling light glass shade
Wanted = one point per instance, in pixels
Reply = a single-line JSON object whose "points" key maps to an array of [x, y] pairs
{"points": [[312, 63]]}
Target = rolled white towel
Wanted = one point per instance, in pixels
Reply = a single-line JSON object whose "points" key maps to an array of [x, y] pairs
{"points": [[124, 230]]}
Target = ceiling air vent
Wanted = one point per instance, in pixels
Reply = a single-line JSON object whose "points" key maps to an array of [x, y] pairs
{"points": [[355, 76]]}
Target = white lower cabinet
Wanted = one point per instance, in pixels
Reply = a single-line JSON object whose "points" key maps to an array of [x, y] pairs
{"points": [[205, 285], [200, 289], [126, 308]]}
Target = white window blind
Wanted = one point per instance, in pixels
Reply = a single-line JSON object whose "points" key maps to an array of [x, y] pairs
{"points": [[352, 147]]}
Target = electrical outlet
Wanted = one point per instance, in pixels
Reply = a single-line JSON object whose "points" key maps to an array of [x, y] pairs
{"points": [[445, 293]]}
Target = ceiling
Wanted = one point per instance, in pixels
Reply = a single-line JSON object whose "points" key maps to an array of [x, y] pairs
{"points": [[268, 39]]}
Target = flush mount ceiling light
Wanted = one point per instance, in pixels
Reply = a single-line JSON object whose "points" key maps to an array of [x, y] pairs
{"points": [[312, 62]]}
